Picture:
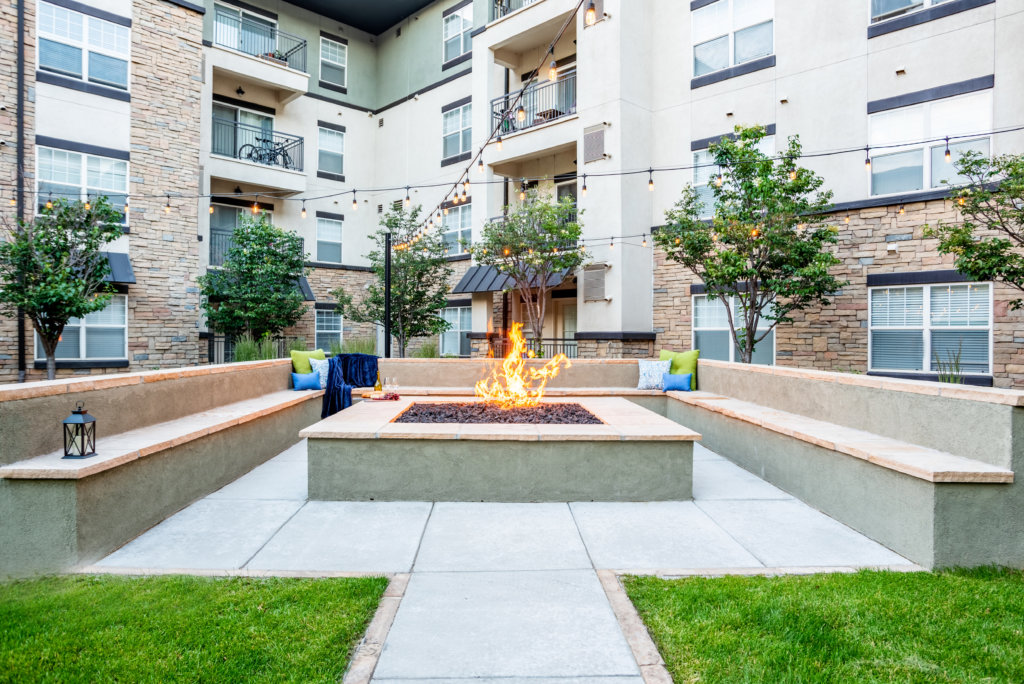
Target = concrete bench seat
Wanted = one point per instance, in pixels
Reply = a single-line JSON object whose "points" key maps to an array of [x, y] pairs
{"points": [[423, 391], [128, 446], [917, 461]]}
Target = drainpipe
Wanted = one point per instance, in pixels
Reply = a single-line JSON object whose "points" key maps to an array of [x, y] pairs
{"points": [[20, 187]]}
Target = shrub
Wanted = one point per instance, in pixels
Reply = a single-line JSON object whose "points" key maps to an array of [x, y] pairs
{"points": [[246, 348], [267, 348], [427, 351], [298, 344], [360, 345]]}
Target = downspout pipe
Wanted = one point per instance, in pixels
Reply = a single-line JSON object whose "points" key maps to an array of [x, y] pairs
{"points": [[20, 184]]}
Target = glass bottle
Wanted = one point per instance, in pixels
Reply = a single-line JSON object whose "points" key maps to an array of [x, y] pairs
{"points": [[377, 387]]}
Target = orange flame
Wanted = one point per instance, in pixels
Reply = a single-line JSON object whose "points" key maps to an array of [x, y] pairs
{"points": [[513, 384]]}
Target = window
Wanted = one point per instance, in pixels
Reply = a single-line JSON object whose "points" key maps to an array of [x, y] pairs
{"points": [[456, 32], [457, 131], [906, 168], [455, 341], [85, 47], [235, 129], [333, 62], [884, 9], [457, 228], [328, 329], [712, 336], [100, 335], [730, 32], [244, 31], [328, 240], [705, 171], [223, 222], [75, 176], [915, 329], [331, 148]]}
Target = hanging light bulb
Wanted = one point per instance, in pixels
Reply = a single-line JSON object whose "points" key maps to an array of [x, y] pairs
{"points": [[754, 233], [408, 200], [167, 207], [520, 114], [438, 217], [644, 243], [13, 201], [949, 157], [303, 213], [719, 179], [792, 175], [553, 71], [430, 226], [522, 190], [591, 15], [87, 205], [847, 219], [650, 179], [902, 210], [355, 202], [465, 198], [125, 204], [961, 201], [256, 207], [446, 211], [506, 251], [611, 245], [867, 158], [465, 184], [480, 164], [583, 190], [49, 201], [497, 143], [211, 208]]}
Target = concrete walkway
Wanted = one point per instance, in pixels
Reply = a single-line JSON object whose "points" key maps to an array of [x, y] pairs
{"points": [[501, 592]]}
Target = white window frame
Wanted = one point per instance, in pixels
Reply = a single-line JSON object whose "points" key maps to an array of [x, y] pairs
{"points": [[732, 343], [733, 30], [242, 14], [340, 242], [915, 7], [465, 112], [440, 347], [83, 185], [317, 330], [319, 149], [457, 213], [83, 334], [84, 44], [465, 15], [343, 65], [927, 328], [927, 134]]}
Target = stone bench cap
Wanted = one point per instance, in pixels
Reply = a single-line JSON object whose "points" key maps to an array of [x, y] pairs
{"points": [[128, 446], [917, 461]]}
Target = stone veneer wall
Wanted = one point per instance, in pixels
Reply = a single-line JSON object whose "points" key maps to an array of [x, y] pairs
{"points": [[836, 337], [323, 281], [9, 154]]}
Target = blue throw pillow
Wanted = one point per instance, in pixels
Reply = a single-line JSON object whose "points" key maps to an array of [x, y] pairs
{"points": [[680, 383], [306, 381]]}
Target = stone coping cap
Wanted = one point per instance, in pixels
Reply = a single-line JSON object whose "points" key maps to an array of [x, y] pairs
{"points": [[129, 446], [991, 395], [623, 421], [921, 462], [417, 391], [47, 388], [539, 362]]}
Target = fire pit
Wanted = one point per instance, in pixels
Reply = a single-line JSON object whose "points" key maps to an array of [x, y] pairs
{"points": [[509, 443]]}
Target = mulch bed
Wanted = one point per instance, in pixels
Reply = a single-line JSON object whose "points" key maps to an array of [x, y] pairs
{"points": [[475, 412]]}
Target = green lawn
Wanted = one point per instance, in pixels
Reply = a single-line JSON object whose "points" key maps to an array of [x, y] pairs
{"points": [[956, 626], [164, 629]]}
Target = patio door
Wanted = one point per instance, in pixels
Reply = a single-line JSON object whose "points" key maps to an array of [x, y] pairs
{"points": [[568, 325]]}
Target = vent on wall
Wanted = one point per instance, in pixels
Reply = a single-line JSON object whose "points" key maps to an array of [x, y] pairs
{"points": [[593, 143], [380, 122], [593, 283], [380, 208], [397, 205]]}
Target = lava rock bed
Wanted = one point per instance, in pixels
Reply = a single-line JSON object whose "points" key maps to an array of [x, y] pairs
{"points": [[478, 412]]}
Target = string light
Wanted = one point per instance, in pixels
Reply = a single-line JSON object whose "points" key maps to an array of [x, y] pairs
{"points": [[591, 14], [847, 219], [49, 201], [902, 210], [754, 233], [465, 184], [497, 143], [553, 71], [126, 204], [465, 198], [583, 190], [355, 203], [303, 213], [644, 243], [719, 179], [87, 205], [13, 201], [522, 190], [408, 200], [650, 179], [438, 217], [949, 157], [867, 158], [167, 207], [256, 205], [611, 245], [792, 175], [520, 114], [480, 164], [446, 211]]}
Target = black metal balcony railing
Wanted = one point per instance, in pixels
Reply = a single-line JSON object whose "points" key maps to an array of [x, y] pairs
{"points": [[221, 348], [257, 144], [540, 104], [222, 240], [259, 39], [543, 348], [500, 8]]}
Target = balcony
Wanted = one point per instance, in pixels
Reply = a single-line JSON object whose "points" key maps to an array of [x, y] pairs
{"points": [[221, 241], [501, 8], [542, 103], [248, 51], [253, 154]]}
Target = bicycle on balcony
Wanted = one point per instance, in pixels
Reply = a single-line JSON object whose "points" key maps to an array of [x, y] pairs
{"points": [[266, 151]]}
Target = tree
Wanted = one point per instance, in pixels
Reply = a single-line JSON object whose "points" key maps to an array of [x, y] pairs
{"points": [[256, 291], [765, 246], [419, 281], [533, 244], [52, 269], [991, 200]]}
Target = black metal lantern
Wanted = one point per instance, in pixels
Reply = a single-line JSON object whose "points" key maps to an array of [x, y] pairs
{"points": [[79, 434]]}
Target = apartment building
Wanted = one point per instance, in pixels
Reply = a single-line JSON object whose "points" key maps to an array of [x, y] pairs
{"points": [[322, 114]]}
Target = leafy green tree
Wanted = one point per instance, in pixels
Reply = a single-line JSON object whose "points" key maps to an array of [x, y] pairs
{"points": [[992, 200], [532, 244], [419, 281], [256, 291], [52, 267], [766, 243]]}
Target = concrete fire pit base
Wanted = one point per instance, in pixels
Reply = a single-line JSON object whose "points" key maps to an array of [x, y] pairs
{"points": [[636, 455]]}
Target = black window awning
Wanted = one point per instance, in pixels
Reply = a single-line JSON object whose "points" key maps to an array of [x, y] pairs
{"points": [[489, 279], [120, 268], [307, 291]]}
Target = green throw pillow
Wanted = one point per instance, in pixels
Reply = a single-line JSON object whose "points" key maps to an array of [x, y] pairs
{"points": [[682, 363], [300, 360]]}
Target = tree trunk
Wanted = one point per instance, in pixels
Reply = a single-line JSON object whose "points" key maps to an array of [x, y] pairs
{"points": [[50, 348]]}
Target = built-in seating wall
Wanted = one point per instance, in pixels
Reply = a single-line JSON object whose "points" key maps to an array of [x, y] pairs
{"points": [[466, 372]]}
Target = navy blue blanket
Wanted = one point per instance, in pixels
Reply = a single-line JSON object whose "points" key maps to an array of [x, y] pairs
{"points": [[345, 371], [360, 369]]}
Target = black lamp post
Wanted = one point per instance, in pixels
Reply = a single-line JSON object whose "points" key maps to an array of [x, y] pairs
{"points": [[79, 434], [387, 294]]}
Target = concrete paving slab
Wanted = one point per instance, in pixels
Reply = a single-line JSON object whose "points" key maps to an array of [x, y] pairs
{"points": [[281, 480], [209, 535], [666, 534], [501, 536], [347, 536], [554, 624], [791, 533], [721, 480]]}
